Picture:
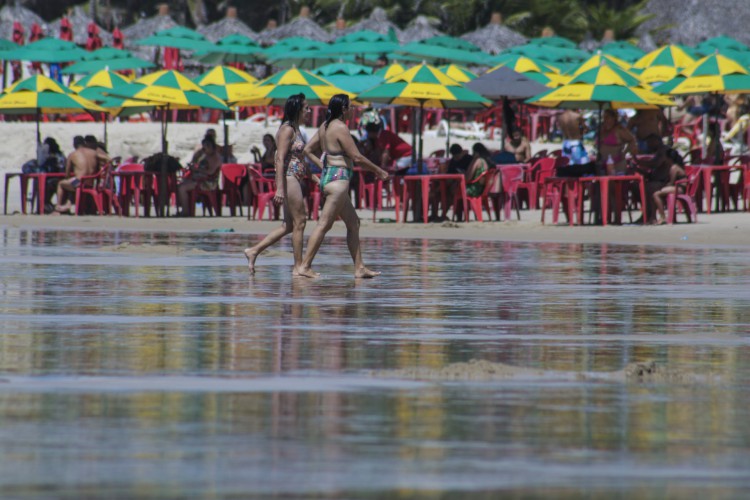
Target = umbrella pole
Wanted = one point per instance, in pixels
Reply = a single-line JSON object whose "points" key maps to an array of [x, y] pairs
{"points": [[421, 118], [448, 135], [599, 137], [413, 136], [5, 74], [104, 118], [164, 160], [38, 133], [226, 138]]}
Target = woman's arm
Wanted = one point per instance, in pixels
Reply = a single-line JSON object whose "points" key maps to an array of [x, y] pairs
{"points": [[283, 139], [629, 139], [526, 150], [341, 134], [313, 147]]}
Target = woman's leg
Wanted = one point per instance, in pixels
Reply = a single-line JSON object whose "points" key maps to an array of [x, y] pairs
{"points": [[659, 202], [351, 219], [298, 211], [286, 227], [183, 194], [337, 194]]}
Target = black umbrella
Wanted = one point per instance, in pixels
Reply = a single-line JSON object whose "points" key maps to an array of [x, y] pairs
{"points": [[505, 83]]}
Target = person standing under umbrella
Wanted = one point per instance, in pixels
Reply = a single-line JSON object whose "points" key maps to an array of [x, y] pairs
{"points": [[291, 178], [335, 140]]}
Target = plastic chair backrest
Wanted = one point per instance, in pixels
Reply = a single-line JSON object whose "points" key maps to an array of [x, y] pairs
{"points": [[546, 169], [440, 153], [512, 176], [258, 183], [131, 167], [233, 173], [694, 176]]}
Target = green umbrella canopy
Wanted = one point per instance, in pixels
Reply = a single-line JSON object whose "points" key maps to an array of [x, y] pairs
{"points": [[425, 86], [551, 53], [553, 41], [94, 86], [432, 50], [171, 88], [450, 42], [7, 45], [178, 37], [294, 43], [623, 50], [305, 58], [714, 73], [675, 55], [226, 82], [277, 88], [234, 48], [721, 43], [47, 50], [362, 43], [342, 68], [106, 58]]}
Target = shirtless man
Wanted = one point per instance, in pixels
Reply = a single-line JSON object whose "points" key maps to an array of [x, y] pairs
{"points": [[573, 126], [81, 162], [646, 122]]}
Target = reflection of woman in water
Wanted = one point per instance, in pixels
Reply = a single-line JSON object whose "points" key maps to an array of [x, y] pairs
{"points": [[614, 141], [291, 176], [341, 153]]}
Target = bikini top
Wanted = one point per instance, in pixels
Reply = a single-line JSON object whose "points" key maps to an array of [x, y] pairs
{"points": [[611, 139]]}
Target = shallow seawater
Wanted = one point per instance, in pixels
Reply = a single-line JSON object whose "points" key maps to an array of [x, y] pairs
{"points": [[150, 365]]}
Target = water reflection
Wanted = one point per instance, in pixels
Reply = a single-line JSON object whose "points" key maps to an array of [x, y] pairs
{"points": [[150, 364]]}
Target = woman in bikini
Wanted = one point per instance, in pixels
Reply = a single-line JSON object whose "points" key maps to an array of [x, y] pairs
{"points": [[334, 139], [291, 174], [615, 140]]}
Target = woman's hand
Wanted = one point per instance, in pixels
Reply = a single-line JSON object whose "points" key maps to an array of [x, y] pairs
{"points": [[382, 174], [278, 198]]}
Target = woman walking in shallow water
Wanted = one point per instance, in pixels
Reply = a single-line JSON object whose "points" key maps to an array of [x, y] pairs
{"points": [[334, 139], [291, 175]]}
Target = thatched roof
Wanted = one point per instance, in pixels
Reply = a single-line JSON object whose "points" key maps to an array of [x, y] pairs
{"points": [[299, 26], [494, 38], [144, 28], [692, 21], [419, 29], [8, 15], [80, 21], [230, 25], [378, 22]]}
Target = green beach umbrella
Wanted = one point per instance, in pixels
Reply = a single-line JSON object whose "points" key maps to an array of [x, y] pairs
{"points": [[363, 44], [458, 73], [178, 37], [551, 53], [351, 77], [625, 51], [234, 48], [170, 88], [95, 87], [39, 94], [226, 82], [721, 43], [391, 70], [277, 88], [47, 50], [553, 41], [711, 74], [445, 49], [676, 56], [424, 86], [598, 60], [107, 58]]}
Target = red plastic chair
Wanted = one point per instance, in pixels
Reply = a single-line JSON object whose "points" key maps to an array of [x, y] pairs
{"points": [[479, 203], [98, 188], [541, 170], [130, 189], [232, 175], [685, 202], [211, 199], [512, 176], [263, 189], [313, 201]]}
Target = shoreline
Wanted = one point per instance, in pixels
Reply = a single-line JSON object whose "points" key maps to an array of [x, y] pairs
{"points": [[725, 230]]}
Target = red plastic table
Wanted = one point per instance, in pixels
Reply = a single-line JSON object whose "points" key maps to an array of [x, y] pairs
{"points": [[424, 182]]}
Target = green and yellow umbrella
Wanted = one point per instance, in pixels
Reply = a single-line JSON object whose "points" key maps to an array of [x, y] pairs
{"points": [[711, 74], [391, 70], [171, 88], [424, 86], [95, 87], [458, 73], [597, 60], [277, 88], [676, 56], [539, 71], [39, 94], [226, 82]]}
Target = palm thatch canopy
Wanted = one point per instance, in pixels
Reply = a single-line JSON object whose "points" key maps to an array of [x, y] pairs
{"points": [[689, 22], [230, 25], [377, 22], [419, 29], [494, 38], [146, 27], [79, 21], [301, 26], [8, 15]]}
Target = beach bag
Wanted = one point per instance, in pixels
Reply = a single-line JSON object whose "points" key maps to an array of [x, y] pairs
{"points": [[154, 164]]}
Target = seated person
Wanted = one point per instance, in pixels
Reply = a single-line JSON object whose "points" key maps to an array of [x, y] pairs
{"points": [[80, 163], [714, 150], [203, 175], [676, 172], [518, 145], [392, 147], [265, 160], [480, 163], [646, 122], [615, 140], [460, 160]]}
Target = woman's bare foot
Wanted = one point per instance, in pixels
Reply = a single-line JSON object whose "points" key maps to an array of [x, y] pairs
{"points": [[305, 273], [363, 272], [251, 255]]}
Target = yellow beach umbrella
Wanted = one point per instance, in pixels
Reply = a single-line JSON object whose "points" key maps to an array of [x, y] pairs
{"points": [[277, 88], [458, 73], [597, 60], [675, 56]]}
